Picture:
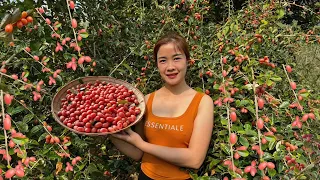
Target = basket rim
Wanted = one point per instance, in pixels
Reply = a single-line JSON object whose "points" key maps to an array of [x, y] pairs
{"points": [[119, 81]]}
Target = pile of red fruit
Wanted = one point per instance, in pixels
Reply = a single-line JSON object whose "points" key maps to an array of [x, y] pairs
{"points": [[99, 107]]}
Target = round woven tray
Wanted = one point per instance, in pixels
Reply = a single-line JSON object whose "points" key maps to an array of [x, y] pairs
{"points": [[56, 102]]}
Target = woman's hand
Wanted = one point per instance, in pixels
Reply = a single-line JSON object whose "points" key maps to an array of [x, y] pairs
{"points": [[129, 136]]}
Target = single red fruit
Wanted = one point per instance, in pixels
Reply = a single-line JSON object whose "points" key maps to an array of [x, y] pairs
{"points": [[293, 85], [9, 28], [260, 103], [10, 173], [7, 99], [260, 124], [264, 141], [48, 21], [236, 155], [28, 49], [71, 3], [7, 123], [19, 173], [233, 138], [74, 23], [36, 58], [233, 116], [288, 68], [29, 19], [270, 165]]}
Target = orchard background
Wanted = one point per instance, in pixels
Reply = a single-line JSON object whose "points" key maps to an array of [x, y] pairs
{"points": [[258, 60]]}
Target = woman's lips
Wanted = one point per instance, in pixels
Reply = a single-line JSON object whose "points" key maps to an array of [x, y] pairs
{"points": [[172, 76]]}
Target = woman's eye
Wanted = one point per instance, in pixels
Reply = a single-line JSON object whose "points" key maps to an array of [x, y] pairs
{"points": [[177, 58], [162, 60]]}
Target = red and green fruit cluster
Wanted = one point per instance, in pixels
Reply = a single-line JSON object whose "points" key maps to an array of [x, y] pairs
{"points": [[99, 107]]}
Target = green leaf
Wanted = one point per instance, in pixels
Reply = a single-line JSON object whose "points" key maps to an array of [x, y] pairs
{"points": [[22, 126], [244, 102], [27, 118], [269, 82], [198, 89], [127, 67], [270, 138], [244, 153], [281, 13], [284, 104], [223, 133], [36, 129], [16, 110], [272, 172], [20, 141], [225, 148], [224, 121], [276, 78], [84, 34], [244, 141], [213, 163], [92, 168]]}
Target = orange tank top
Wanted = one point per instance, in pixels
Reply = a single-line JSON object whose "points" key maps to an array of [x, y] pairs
{"points": [[171, 132]]}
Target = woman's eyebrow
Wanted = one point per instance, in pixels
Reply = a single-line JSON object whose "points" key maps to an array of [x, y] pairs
{"points": [[164, 57]]}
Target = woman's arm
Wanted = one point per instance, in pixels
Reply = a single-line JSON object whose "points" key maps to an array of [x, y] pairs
{"points": [[194, 155], [127, 148]]}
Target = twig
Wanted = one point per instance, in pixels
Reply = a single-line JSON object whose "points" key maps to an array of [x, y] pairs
{"points": [[4, 131]]}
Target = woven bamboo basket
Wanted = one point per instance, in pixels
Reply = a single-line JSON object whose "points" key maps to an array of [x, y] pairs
{"points": [[56, 102]]}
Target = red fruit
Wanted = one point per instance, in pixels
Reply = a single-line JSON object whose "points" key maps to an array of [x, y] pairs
{"points": [[10, 173], [48, 21], [265, 178], [227, 163], [262, 165], [74, 23], [260, 103], [11, 144], [71, 3], [19, 24], [36, 58], [311, 116], [8, 28], [7, 123], [224, 60], [19, 172], [270, 165], [233, 138], [253, 163], [264, 141], [29, 19], [260, 123], [28, 49], [305, 117], [247, 169], [225, 178], [24, 21], [7, 99], [233, 116], [288, 68], [293, 85], [224, 73], [253, 171], [236, 155]]}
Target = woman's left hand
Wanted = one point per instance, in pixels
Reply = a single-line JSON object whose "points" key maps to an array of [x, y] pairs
{"points": [[129, 136]]}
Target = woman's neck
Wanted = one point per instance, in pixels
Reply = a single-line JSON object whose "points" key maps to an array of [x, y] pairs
{"points": [[176, 89]]}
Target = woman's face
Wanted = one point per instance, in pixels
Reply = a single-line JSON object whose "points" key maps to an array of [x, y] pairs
{"points": [[172, 64]]}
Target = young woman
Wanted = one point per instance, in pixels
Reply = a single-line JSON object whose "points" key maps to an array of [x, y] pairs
{"points": [[178, 123]]}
